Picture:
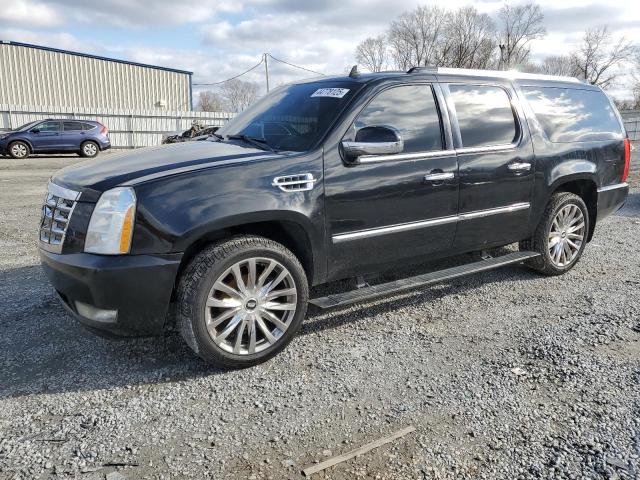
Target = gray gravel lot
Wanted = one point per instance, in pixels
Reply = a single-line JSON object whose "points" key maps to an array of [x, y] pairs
{"points": [[505, 374]]}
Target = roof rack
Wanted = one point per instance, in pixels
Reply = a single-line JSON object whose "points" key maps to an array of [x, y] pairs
{"points": [[427, 69], [508, 74]]}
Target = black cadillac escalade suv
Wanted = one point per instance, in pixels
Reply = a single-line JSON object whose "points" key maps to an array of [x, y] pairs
{"points": [[329, 179]]}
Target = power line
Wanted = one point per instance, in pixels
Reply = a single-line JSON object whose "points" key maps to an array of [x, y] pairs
{"points": [[232, 78], [262, 60], [295, 66]]}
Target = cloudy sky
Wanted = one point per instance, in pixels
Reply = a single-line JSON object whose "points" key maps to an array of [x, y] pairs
{"points": [[217, 39]]}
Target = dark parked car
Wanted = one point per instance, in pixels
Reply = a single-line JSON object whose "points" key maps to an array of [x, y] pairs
{"points": [[367, 172], [85, 137]]}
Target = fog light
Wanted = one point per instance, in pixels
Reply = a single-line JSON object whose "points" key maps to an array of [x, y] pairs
{"points": [[96, 314]]}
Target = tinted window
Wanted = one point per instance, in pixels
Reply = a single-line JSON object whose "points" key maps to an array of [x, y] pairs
{"points": [[484, 115], [410, 109], [293, 117], [72, 126], [570, 115], [88, 126], [48, 127]]}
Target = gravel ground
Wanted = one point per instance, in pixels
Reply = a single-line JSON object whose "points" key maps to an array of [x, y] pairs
{"points": [[505, 374]]}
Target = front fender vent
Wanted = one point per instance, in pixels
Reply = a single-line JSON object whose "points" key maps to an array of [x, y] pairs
{"points": [[295, 183]]}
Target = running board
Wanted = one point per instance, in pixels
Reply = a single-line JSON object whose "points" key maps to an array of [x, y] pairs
{"points": [[384, 289]]}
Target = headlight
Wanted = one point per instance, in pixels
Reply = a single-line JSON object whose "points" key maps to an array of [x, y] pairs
{"points": [[111, 225], [3, 135]]}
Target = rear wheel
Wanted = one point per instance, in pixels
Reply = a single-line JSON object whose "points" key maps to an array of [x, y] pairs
{"points": [[241, 301], [89, 149], [561, 235], [19, 149]]}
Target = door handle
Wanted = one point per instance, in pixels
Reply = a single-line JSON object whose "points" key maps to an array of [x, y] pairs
{"points": [[438, 177], [519, 167]]}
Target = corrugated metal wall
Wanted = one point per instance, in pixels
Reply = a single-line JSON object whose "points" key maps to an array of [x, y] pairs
{"points": [[127, 128], [38, 77]]}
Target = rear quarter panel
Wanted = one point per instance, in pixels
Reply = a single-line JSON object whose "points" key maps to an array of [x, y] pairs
{"points": [[600, 162]]}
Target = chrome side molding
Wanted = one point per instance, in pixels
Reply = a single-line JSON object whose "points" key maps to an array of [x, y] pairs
{"points": [[494, 211], [613, 187], [403, 227], [295, 183]]}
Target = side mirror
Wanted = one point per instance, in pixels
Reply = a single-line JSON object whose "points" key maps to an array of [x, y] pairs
{"points": [[35, 130], [374, 140]]}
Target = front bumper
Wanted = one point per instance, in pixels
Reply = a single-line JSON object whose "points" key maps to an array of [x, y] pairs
{"points": [[138, 287], [611, 198]]}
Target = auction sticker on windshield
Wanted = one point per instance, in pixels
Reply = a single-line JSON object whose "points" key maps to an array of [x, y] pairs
{"points": [[330, 92]]}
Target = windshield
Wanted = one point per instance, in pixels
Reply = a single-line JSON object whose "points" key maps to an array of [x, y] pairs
{"points": [[293, 117]]}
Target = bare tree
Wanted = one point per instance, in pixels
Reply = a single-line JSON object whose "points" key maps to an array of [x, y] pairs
{"points": [[373, 54], [598, 58], [239, 94], [414, 38], [558, 65], [562, 65], [469, 40], [209, 101], [519, 25]]}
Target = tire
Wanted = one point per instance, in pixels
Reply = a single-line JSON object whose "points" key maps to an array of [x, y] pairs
{"points": [[19, 150], [557, 238], [89, 149], [211, 319]]}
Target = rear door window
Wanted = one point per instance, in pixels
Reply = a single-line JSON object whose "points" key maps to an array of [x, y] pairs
{"points": [[485, 115], [573, 115], [72, 126], [412, 110]]}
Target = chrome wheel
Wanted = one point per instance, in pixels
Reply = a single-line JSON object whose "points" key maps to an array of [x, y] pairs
{"points": [[19, 150], [90, 149], [566, 235], [250, 306]]}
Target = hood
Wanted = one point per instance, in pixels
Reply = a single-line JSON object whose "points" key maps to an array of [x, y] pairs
{"points": [[111, 170]]}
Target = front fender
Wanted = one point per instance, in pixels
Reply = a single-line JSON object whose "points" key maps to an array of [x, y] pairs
{"points": [[176, 212]]}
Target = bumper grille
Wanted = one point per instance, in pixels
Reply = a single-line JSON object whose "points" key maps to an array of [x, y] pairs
{"points": [[56, 214]]}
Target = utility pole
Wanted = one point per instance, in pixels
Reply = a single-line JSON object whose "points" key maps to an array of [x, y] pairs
{"points": [[266, 69]]}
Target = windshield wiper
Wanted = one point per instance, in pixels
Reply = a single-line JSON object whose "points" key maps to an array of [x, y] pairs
{"points": [[218, 136], [260, 143]]}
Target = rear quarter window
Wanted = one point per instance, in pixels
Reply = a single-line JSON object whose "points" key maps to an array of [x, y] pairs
{"points": [[574, 115]]}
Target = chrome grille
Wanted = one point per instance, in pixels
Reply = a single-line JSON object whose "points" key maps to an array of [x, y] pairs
{"points": [[56, 214]]}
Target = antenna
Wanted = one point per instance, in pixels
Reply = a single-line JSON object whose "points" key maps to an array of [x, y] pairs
{"points": [[354, 72]]}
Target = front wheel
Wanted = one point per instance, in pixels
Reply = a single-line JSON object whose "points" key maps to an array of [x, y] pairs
{"points": [[19, 150], [561, 235], [241, 301]]}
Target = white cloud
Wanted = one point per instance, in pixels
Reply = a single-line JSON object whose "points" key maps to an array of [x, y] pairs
{"points": [[18, 13], [229, 36], [143, 13], [63, 40]]}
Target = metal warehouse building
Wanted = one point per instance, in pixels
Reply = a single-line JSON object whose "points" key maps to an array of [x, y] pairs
{"points": [[32, 76]]}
